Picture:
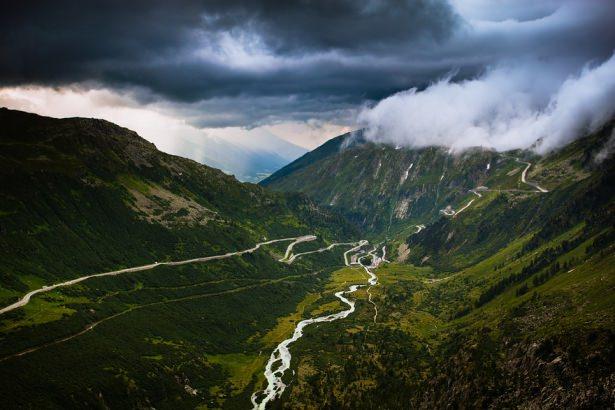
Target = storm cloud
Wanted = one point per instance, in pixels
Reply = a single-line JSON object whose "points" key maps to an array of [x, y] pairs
{"points": [[190, 50], [541, 99], [249, 63]]}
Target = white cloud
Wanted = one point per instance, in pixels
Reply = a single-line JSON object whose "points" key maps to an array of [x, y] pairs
{"points": [[508, 107], [607, 149]]}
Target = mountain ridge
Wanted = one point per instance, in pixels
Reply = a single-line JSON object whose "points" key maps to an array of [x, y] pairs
{"points": [[500, 289], [409, 189], [249, 160], [130, 175]]}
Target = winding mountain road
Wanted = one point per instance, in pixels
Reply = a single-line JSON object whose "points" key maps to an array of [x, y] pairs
{"points": [[475, 191], [91, 326], [524, 173], [464, 208], [361, 244], [300, 239], [28, 296], [327, 248]]}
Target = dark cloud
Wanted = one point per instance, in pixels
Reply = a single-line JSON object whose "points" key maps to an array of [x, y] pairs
{"points": [[294, 26], [144, 42], [251, 61]]}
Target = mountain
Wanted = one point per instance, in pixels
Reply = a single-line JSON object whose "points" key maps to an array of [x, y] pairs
{"points": [[250, 158], [84, 196], [83, 184], [249, 155], [383, 188], [387, 191], [500, 293]]}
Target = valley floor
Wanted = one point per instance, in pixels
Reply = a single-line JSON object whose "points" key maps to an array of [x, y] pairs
{"points": [[410, 326], [545, 340]]}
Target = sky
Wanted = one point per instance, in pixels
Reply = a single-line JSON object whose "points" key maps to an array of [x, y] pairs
{"points": [[458, 73]]}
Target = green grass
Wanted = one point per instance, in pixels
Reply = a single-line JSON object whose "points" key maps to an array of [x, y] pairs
{"points": [[286, 325], [132, 182], [212, 326], [240, 367], [156, 357]]}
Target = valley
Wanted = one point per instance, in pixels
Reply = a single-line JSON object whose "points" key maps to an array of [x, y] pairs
{"points": [[440, 280], [275, 385], [448, 290]]}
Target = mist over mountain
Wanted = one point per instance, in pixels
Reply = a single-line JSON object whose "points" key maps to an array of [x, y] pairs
{"points": [[250, 155], [249, 159], [513, 106]]}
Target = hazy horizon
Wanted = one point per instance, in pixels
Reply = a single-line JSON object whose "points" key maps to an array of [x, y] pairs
{"points": [[459, 73]]}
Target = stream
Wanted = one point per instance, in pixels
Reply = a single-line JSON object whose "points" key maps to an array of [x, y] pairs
{"points": [[279, 361]]}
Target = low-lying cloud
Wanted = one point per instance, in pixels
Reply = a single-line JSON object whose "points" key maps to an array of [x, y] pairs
{"points": [[606, 151], [521, 105]]}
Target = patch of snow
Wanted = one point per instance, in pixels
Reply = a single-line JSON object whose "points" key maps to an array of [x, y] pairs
{"points": [[405, 176], [378, 169]]}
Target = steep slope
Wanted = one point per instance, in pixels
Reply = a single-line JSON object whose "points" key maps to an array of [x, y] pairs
{"points": [[499, 293], [386, 190], [84, 196], [580, 191], [501, 289], [328, 149], [109, 199]]}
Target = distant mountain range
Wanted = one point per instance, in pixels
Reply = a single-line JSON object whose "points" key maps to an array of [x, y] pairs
{"points": [[249, 160]]}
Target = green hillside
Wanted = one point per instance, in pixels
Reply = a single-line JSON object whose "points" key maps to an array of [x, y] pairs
{"points": [[497, 289], [82, 196], [507, 301], [505, 332], [385, 190]]}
